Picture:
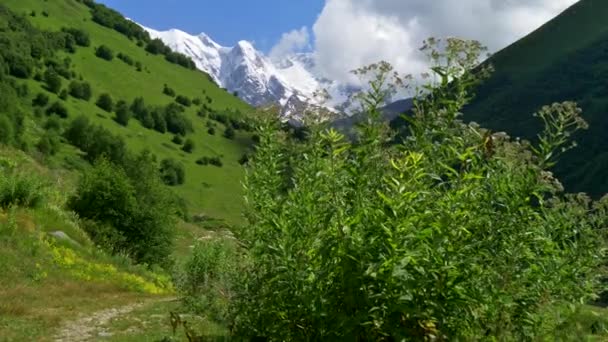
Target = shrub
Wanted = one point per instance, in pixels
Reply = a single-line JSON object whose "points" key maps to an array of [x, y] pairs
{"points": [[211, 131], [58, 109], [454, 234], [229, 133], [188, 145], [104, 52], [20, 189], [126, 59], [63, 94], [105, 102], [134, 203], [79, 36], [52, 80], [80, 90], [177, 122], [168, 91], [49, 144], [183, 100], [41, 100], [123, 113], [172, 172], [177, 139], [206, 279]]}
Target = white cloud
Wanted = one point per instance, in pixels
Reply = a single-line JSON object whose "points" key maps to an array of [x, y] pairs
{"points": [[293, 41], [352, 33]]}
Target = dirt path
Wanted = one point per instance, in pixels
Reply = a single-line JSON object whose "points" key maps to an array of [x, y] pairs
{"points": [[91, 327]]}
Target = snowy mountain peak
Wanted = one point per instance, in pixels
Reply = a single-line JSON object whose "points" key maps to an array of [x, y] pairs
{"points": [[256, 78]]}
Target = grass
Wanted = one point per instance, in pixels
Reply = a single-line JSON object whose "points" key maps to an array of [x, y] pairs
{"points": [[210, 190]]}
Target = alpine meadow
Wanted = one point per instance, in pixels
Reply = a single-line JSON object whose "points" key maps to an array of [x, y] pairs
{"points": [[158, 186]]}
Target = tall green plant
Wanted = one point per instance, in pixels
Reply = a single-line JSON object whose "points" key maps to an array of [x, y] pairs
{"points": [[454, 234]]}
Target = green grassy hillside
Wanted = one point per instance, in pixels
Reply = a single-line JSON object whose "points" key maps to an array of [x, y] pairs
{"points": [[566, 59], [214, 191]]}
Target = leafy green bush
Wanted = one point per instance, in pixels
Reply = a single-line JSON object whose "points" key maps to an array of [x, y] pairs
{"points": [[52, 80], [172, 172], [80, 90], [104, 52], [453, 234], [123, 113], [79, 36], [19, 189], [168, 91], [40, 100], [188, 145], [206, 279], [131, 203], [229, 133], [57, 108], [49, 144], [183, 100], [105, 102]]}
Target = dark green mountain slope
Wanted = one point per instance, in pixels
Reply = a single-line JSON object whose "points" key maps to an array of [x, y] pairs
{"points": [[566, 59], [114, 56]]}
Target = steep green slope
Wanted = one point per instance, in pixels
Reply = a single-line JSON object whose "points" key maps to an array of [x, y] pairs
{"points": [[566, 59], [208, 189]]}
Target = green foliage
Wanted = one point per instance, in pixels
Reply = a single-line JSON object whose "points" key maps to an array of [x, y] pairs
{"points": [[206, 279], [57, 108], [188, 145], [80, 36], [135, 210], [168, 91], [95, 141], [53, 80], [454, 234], [123, 113], [229, 133], [19, 189], [41, 100], [183, 100], [177, 139], [105, 102], [126, 58], [80, 90], [110, 18], [172, 172], [63, 94], [49, 144], [104, 52], [215, 161]]}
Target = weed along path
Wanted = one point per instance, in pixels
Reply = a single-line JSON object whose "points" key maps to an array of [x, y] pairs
{"points": [[94, 326]]}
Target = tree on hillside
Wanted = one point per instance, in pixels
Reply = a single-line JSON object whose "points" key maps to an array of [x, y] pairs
{"points": [[105, 102], [80, 90], [123, 113], [172, 172], [52, 80], [188, 145], [104, 52]]}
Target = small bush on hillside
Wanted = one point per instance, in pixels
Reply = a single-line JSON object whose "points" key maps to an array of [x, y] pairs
{"points": [[57, 108], [123, 113], [80, 37], [105, 102], [183, 100], [188, 145], [63, 94], [52, 80], [168, 91], [172, 172], [80, 90], [104, 52], [211, 131], [136, 210], [20, 189], [126, 59], [177, 139], [49, 144], [206, 280], [41, 100], [229, 133]]}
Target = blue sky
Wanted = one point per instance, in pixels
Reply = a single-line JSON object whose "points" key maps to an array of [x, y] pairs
{"points": [[226, 21]]}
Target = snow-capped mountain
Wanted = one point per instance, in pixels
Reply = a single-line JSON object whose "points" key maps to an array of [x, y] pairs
{"points": [[293, 82]]}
